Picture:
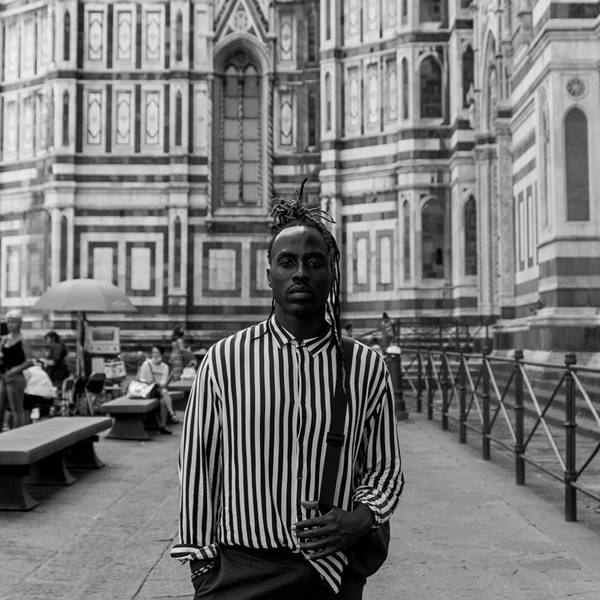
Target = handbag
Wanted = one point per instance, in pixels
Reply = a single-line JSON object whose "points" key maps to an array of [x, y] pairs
{"points": [[142, 389], [369, 552]]}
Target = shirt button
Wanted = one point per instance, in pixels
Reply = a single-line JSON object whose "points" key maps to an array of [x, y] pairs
{"points": [[299, 475]]}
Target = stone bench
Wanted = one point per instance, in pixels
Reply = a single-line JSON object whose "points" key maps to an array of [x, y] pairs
{"points": [[128, 417], [39, 453]]}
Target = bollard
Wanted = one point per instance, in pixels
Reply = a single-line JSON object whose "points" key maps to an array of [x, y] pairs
{"points": [[485, 409], [420, 384], [430, 386], [445, 384], [462, 399], [571, 433], [394, 362], [519, 421]]}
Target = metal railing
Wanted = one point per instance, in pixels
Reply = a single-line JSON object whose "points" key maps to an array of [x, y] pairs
{"points": [[544, 414]]}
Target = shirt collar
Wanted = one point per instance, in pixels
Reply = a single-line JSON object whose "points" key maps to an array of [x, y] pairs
{"points": [[282, 337]]}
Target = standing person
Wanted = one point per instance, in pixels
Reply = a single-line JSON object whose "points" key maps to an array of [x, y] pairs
{"points": [[388, 331], [254, 437], [55, 360], [154, 370], [16, 357]]}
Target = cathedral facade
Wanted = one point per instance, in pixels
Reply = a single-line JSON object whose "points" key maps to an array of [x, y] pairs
{"points": [[142, 143]]}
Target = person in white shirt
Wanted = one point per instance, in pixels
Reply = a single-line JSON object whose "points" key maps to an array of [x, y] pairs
{"points": [[39, 392], [154, 370]]}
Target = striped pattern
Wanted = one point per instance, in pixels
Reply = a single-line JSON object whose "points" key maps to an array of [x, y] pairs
{"points": [[253, 443]]}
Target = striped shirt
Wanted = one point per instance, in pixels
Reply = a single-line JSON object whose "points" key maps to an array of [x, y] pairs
{"points": [[253, 442]]}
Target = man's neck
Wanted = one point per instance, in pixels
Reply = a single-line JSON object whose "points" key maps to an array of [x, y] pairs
{"points": [[302, 328]]}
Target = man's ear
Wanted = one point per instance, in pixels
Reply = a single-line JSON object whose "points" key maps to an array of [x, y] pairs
{"points": [[269, 276]]}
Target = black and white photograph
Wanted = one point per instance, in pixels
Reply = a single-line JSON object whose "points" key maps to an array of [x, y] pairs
{"points": [[299, 300]]}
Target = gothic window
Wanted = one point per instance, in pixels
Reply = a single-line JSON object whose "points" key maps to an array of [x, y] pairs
{"points": [[240, 140], [492, 98], [392, 90], [311, 31], [430, 10], [404, 13], [312, 118], [406, 239], [178, 118], [576, 154], [65, 118], [327, 9], [432, 239], [177, 252], [431, 88], [470, 237], [67, 35], [328, 107], [64, 242], [467, 74], [405, 88], [179, 37]]}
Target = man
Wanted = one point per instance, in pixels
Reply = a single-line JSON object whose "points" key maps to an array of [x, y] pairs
{"points": [[254, 438]]}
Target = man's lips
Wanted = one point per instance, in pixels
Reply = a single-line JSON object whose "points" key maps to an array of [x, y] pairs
{"points": [[300, 291]]}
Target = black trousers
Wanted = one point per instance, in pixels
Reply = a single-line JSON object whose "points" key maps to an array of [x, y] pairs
{"points": [[248, 574]]}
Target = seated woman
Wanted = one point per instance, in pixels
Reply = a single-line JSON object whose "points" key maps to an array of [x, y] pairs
{"points": [[39, 392], [154, 370], [55, 360]]}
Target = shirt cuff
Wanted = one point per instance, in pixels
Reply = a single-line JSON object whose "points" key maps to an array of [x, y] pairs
{"points": [[185, 553], [370, 498]]}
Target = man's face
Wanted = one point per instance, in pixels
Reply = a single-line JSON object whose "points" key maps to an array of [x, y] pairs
{"points": [[300, 273]]}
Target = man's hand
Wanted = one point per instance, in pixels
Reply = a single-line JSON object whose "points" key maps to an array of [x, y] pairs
{"points": [[336, 530]]}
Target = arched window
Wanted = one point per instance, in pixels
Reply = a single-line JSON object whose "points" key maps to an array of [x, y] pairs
{"points": [[64, 247], [404, 12], [327, 9], [312, 118], [430, 10], [178, 118], [328, 107], [492, 97], [67, 35], [431, 88], [405, 88], [467, 74], [311, 35], [406, 240], [577, 168], [239, 140], [179, 36], [470, 237], [65, 118], [177, 252], [432, 239]]}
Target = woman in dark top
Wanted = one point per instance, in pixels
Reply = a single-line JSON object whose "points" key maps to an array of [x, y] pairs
{"points": [[16, 357], [54, 362]]}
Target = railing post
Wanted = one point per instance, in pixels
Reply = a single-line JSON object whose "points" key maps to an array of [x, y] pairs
{"points": [[462, 400], [571, 438], [420, 384], [445, 383], [430, 386], [519, 421], [485, 409]]}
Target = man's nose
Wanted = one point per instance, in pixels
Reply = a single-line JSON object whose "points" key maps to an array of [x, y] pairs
{"points": [[301, 272]]}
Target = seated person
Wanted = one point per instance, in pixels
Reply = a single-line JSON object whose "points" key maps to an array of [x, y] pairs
{"points": [[39, 392], [189, 372], [154, 370], [55, 360]]}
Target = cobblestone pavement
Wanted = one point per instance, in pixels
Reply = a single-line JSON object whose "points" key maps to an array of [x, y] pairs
{"points": [[463, 531]]}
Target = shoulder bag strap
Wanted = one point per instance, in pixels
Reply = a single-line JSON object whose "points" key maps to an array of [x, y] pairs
{"points": [[335, 436]]}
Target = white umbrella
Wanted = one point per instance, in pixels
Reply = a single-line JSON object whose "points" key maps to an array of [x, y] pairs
{"points": [[80, 296]]}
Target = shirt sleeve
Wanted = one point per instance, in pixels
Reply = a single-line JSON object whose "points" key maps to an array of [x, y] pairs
{"points": [[200, 471], [381, 478], [144, 373]]}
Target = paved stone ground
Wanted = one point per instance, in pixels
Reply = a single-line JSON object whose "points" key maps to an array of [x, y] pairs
{"points": [[463, 531]]}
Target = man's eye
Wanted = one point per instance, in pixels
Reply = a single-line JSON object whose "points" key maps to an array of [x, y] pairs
{"points": [[315, 263], [286, 263]]}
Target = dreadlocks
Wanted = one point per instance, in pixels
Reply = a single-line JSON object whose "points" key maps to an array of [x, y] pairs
{"points": [[288, 212]]}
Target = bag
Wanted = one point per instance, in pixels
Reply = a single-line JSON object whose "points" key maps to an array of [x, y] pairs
{"points": [[371, 550], [141, 389]]}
